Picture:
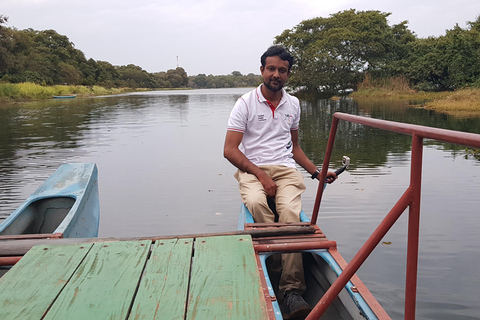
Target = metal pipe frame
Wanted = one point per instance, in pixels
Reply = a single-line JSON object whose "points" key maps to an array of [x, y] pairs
{"points": [[410, 199]]}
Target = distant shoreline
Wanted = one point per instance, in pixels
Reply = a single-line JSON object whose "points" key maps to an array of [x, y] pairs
{"points": [[464, 102], [24, 92]]}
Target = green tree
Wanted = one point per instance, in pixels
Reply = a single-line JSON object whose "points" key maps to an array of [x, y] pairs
{"points": [[135, 77], [332, 54], [447, 62], [6, 44], [177, 78]]}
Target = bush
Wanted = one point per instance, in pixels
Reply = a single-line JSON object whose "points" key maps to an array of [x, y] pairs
{"points": [[9, 90]]}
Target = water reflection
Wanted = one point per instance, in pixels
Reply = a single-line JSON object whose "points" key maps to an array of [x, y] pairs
{"points": [[368, 146]]}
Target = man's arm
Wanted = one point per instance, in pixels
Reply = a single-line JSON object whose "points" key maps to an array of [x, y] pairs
{"points": [[239, 160], [300, 158]]}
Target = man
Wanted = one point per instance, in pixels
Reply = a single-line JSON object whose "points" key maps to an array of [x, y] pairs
{"points": [[262, 142]]}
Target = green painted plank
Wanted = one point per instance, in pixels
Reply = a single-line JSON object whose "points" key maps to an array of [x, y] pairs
{"points": [[225, 282], [163, 291], [104, 285], [29, 288]]}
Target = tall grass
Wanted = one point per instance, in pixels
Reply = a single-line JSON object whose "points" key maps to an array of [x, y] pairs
{"points": [[398, 84], [461, 101], [383, 87], [32, 91]]}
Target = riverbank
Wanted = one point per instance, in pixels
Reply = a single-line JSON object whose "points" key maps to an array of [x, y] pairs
{"points": [[30, 91], [464, 102]]}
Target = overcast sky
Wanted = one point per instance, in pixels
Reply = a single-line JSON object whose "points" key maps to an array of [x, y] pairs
{"points": [[208, 36]]}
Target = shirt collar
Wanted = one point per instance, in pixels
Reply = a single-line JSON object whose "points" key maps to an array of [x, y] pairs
{"points": [[261, 98]]}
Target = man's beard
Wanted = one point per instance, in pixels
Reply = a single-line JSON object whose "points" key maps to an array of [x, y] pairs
{"points": [[272, 88]]}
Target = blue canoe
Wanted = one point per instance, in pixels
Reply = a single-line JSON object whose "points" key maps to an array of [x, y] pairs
{"points": [[64, 97], [322, 267], [65, 206]]}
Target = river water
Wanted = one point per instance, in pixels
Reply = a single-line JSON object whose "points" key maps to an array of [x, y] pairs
{"points": [[162, 172]]}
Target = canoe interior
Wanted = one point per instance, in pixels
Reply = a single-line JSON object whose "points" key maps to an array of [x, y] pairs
{"points": [[41, 216], [320, 271], [65, 205]]}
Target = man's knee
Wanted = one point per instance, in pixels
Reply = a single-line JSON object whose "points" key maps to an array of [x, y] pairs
{"points": [[258, 206]]}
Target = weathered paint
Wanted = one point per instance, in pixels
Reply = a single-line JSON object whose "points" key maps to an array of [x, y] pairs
{"points": [[28, 290], [209, 277], [225, 281], [163, 291], [105, 283], [77, 182], [410, 199]]}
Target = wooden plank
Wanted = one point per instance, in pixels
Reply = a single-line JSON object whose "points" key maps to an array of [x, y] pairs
{"points": [[105, 283], [225, 282], [30, 287], [163, 291]]}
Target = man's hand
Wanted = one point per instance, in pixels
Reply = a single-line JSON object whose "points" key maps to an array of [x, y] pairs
{"points": [[331, 177], [268, 184]]}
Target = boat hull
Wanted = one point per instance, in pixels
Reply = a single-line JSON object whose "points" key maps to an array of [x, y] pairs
{"points": [[66, 205], [321, 267], [64, 97]]}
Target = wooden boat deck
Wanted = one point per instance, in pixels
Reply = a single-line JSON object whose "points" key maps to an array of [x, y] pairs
{"points": [[213, 277]]}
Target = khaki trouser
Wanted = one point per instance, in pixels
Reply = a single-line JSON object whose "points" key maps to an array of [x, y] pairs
{"points": [[290, 186]]}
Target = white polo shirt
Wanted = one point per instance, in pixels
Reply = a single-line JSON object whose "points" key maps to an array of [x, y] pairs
{"points": [[266, 132]]}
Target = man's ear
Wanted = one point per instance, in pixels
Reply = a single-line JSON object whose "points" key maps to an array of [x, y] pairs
{"points": [[261, 69]]}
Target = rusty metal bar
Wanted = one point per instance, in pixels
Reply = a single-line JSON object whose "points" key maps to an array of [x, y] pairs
{"points": [[323, 175], [411, 198], [413, 227], [9, 261], [361, 255], [451, 136], [266, 293], [295, 246]]}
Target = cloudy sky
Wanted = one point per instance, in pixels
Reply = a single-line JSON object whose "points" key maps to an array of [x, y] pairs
{"points": [[208, 36]]}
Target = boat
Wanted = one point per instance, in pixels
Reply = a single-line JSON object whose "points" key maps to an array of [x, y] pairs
{"points": [[65, 97], [322, 265], [66, 205]]}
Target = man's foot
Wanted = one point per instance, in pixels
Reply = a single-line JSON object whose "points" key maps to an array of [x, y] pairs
{"points": [[297, 307]]}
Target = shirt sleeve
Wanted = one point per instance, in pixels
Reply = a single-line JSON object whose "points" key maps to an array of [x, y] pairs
{"points": [[238, 117]]}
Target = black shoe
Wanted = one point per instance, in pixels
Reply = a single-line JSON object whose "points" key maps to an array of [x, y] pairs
{"points": [[296, 306]]}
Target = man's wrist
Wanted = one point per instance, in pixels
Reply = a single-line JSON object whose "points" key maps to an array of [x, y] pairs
{"points": [[315, 174]]}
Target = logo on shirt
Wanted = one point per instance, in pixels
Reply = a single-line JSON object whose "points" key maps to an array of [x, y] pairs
{"points": [[288, 118], [261, 117]]}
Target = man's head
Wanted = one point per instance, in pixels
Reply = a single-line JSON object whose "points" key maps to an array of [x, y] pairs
{"points": [[275, 69]]}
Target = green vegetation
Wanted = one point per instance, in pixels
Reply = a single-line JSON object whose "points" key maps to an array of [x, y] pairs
{"points": [[335, 54], [463, 102], [49, 59], [347, 51], [33, 91]]}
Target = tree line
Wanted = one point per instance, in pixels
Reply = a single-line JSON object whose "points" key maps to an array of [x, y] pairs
{"points": [[336, 53], [48, 58], [333, 55]]}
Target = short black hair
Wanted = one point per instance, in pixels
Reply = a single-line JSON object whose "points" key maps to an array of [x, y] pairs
{"points": [[279, 51]]}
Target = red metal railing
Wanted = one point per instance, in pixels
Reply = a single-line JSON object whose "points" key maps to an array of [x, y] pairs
{"points": [[410, 199]]}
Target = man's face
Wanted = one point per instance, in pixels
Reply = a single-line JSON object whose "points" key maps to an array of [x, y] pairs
{"points": [[275, 73]]}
